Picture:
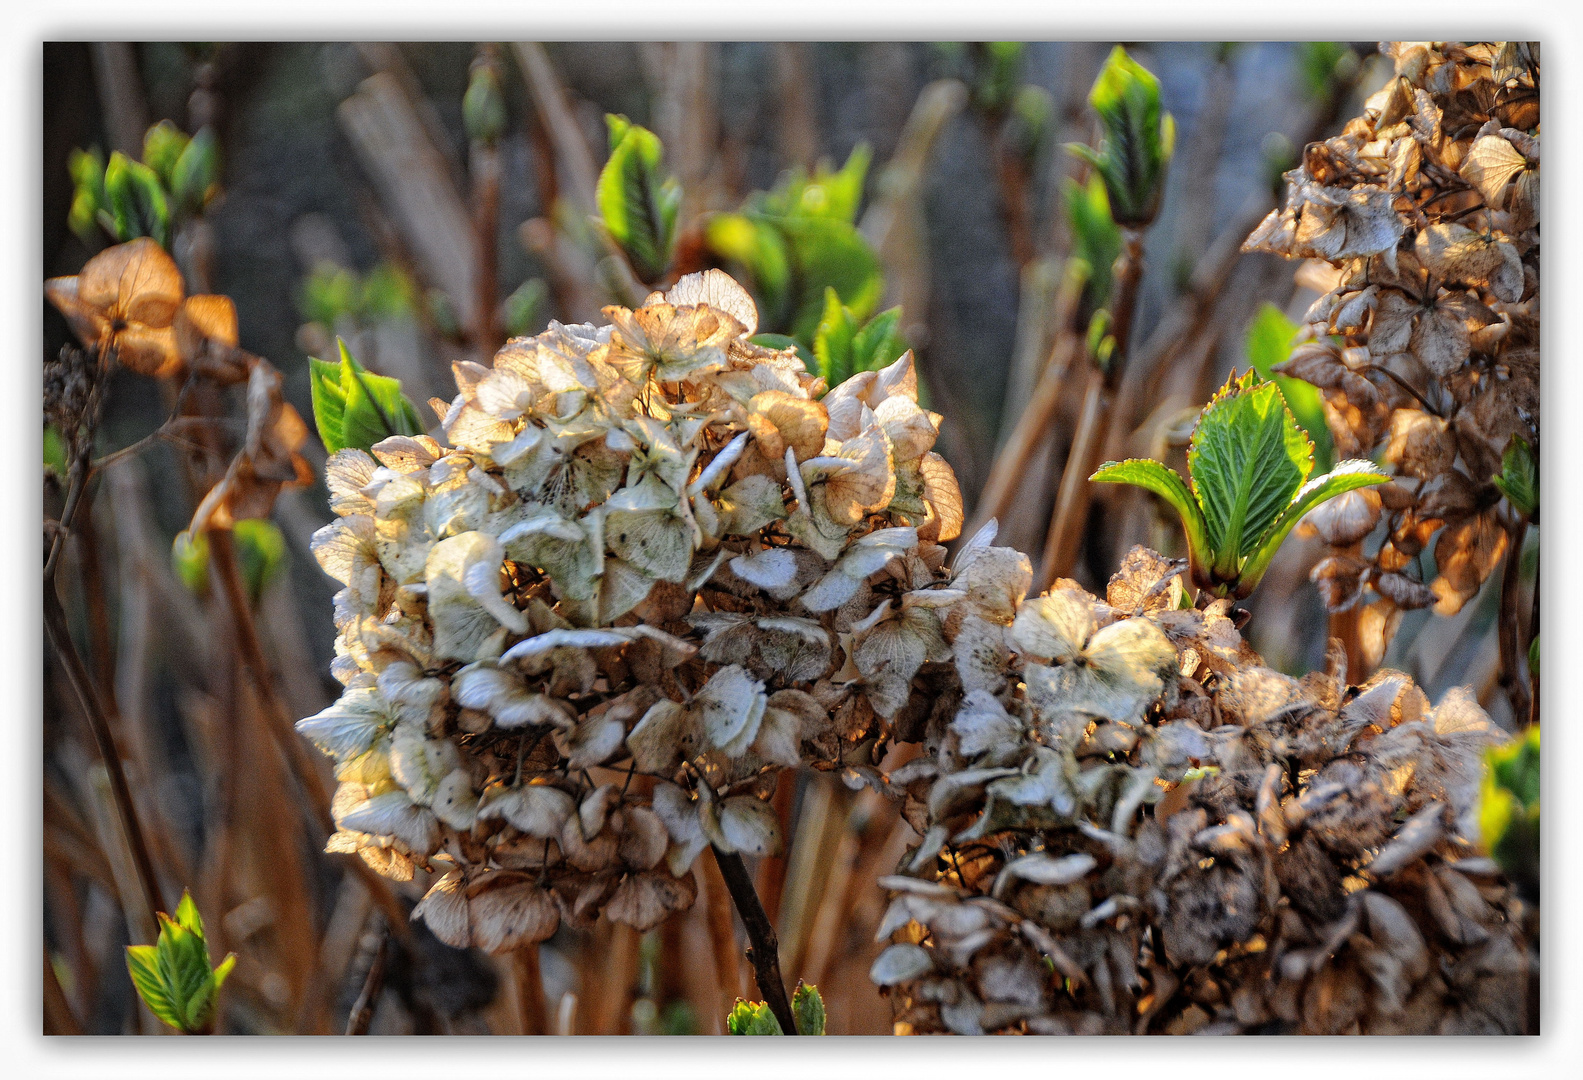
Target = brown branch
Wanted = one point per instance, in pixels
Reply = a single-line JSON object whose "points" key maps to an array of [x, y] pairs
{"points": [[764, 953]]}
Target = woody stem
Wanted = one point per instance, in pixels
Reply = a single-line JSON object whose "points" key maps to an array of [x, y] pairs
{"points": [[764, 953]]}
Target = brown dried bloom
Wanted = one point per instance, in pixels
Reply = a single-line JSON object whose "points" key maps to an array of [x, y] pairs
{"points": [[652, 569], [1424, 217], [1148, 831]]}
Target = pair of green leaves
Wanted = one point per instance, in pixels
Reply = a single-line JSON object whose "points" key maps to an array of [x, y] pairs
{"points": [[260, 555], [637, 201], [1248, 464], [173, 976], [352, 407], [1139, 139], [1509, 809], [755, 1018], [842, 346], [127, 199]]}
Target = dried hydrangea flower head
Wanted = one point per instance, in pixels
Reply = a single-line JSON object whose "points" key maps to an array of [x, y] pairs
{"points": [[1146, 830], [656, 563], [1421, 221]]}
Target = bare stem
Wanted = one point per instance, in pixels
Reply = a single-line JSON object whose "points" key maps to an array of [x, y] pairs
{"points": [[764, 953], [363, 1011], [1071, 506], [1509, 634]]}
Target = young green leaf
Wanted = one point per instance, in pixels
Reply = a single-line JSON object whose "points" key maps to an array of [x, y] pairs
{"points": [[752, 1018], [195, 177], [1248, 463], [1518, 479], [88, 197], [637, 203], [1269, 342], [1247, 459], [352, 407], [832, 340], [808, 1009], [173, 976], [1509, 809], [1166, 483], [1347, 476], [1095, 238], [1133, 155], [162, 148]]}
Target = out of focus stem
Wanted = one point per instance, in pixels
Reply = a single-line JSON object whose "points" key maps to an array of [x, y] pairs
{"points": [[1093, 428]]}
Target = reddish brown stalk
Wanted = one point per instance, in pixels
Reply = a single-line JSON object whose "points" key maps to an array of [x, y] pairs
{"points": [[1071, 506], [485, 168]]}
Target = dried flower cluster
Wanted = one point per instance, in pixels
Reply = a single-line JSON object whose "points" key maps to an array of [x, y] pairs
{"points": [[1146, 830], [129, 303], [1423, 216], [654, 566]]}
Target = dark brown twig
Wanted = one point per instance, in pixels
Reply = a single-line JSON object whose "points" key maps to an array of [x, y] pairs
{"points": [[1509, 633], [764, 954]]}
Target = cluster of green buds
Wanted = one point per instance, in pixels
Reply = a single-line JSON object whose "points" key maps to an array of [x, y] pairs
{"points": [[177, 178], [1136, 149]]}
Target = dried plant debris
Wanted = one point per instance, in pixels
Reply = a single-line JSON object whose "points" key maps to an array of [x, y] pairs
{"points": [[656, 563], [1148, 830], [1422, 223]]}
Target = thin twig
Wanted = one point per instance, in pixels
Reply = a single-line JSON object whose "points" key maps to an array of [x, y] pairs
{"points": [[764, 953]]}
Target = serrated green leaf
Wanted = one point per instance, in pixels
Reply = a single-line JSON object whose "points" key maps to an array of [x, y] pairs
{"points": [[759, 252], [1346, 476], [808, 1009], [1518, 479], [637, 204], [142, 963], [1269, 342], [329, 401], [1247, 459], [752, 1018], [1166, 483]]}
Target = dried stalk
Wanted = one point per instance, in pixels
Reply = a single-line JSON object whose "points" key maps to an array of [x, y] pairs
{"points": [[764, 953], [1513, 659], [363, 1010], [533, 1009], [1071, 506], [571, 149]]}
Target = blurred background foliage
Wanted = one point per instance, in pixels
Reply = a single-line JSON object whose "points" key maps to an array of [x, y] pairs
{"points": [[424, 202]]}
